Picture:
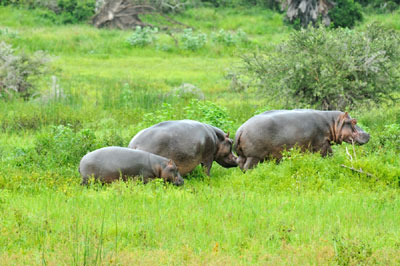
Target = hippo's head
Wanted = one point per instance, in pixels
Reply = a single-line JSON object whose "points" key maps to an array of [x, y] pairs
{"points": [[350, 132], [170, 173], [224, 155]]}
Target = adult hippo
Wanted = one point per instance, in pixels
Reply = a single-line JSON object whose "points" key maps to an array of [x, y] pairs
{"points": [[187, 142], [265, 135], [111, 163]]}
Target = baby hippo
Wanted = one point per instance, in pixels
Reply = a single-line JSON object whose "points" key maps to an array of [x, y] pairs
{"points": [[110, 163]]}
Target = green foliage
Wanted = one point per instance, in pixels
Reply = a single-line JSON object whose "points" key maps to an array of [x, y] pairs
{"points": [[345, 13], [381, 6], [61, 11], [352, 251], [261, 217], [73, 11], [390, 136], [203, 111], [193, 41], [271, 4], [18, 72], [229, 38], [63, 146], [142, 36], [331, 69], [209, 113]]}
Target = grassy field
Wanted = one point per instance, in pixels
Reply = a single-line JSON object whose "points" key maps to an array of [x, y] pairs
{"points": [[306, 210]]}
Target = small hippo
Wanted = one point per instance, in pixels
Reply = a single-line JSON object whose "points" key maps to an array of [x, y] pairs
{"points": [[188, 143], [265, 135], [110, 163]]}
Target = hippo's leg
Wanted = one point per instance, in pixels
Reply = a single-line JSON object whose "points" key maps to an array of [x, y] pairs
{"points": [[84, 181], [326, 150], [241, 162], [250, 163], [207, 165]]}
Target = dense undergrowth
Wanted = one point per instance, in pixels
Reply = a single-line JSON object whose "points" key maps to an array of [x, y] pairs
{"points": [[305, 210]]}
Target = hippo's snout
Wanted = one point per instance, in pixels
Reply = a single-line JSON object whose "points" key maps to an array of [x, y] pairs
{"points": [[363, 138], [228, 161], [179, 180]]}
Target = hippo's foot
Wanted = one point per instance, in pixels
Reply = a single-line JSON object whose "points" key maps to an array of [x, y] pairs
{"points": [[241, 161]]}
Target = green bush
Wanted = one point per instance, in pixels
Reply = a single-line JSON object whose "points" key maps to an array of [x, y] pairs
{"points": [[330, 69], [19, 71], [61, 145], [228, 38], [345, 13], [203, 111], [209, 113], [193, 41], [68, 11], [271, 4], [142, 36]]}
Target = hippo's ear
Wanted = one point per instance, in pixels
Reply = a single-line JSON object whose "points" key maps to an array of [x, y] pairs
{"points": [[170, 163], [227, 135], [353, 122], [344, 116]]}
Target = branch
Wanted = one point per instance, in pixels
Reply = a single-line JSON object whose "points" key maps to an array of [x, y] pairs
{"points": [[174, 21], [358, 170]]}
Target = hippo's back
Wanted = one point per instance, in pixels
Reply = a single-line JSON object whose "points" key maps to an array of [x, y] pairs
{"points": [[183, 141], [270, 131]]}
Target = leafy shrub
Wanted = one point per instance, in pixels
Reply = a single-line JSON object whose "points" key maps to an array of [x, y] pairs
{"points": [[209, 113], [380, 5], [192, 41], [188, 91], [345, 13], [68, 11], [229, 38], [19, 71], [203, 111], [390, 137], [330, 69], [62, 145], [352, 251], [142, 36], [271, 4]]}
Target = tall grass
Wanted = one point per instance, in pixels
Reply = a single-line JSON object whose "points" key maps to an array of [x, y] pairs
{"points": [[305, 210]]}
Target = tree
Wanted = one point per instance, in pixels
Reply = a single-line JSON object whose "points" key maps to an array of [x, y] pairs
{"points": [[308, 11], [125, 14]]}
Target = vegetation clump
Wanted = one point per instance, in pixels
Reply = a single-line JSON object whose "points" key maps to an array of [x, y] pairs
{"points": [[330, 69], [142, 36], [345, 13], [193, 41], [19, 71]]}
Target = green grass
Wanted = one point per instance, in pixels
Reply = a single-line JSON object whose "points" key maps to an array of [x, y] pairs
{"points": [[306, 210]]}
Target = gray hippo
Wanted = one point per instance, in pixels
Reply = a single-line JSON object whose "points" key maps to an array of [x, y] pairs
{"points": [[188, 143], [110, 163], [265, 135]]}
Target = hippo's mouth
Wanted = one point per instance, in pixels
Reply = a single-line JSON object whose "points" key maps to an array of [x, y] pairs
{"points": [[232, 162], [360, 139]]}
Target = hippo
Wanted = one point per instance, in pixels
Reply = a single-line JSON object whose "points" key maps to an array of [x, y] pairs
{"points": [[266, 135], [188, 143], [110, 163]]}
